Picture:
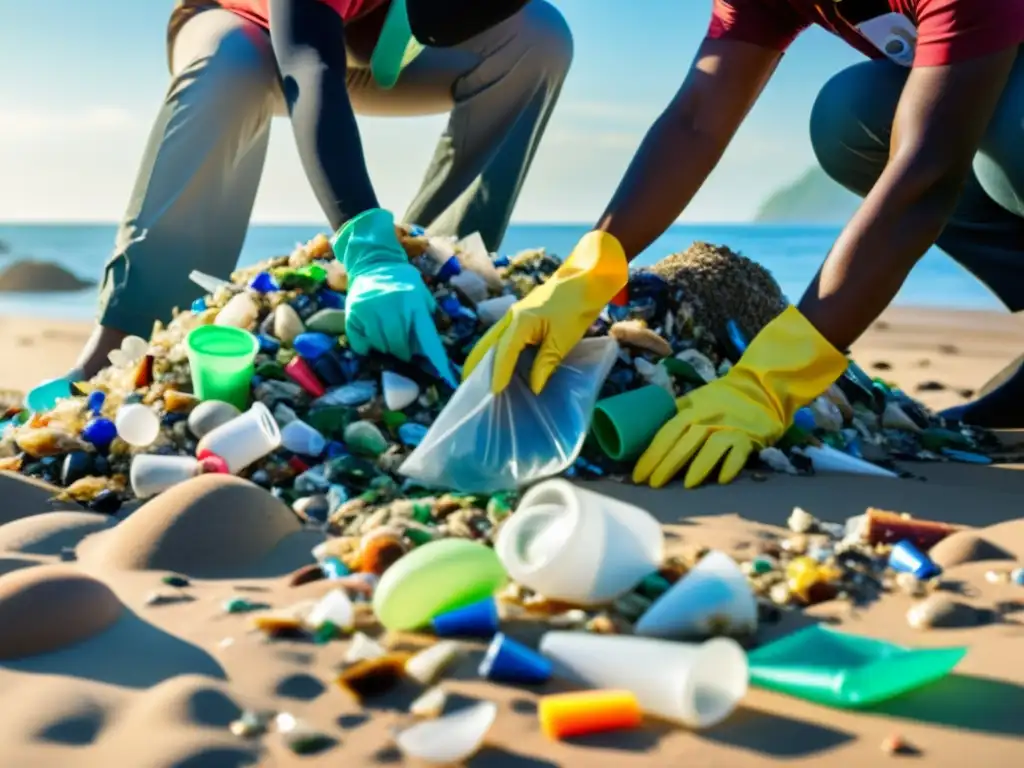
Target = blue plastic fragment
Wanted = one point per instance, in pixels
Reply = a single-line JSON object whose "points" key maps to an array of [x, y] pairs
{"points": [[198, 306], [804, 419], [264, 282], [268, 344], [966, 457], [312, 346], [328, 299]]}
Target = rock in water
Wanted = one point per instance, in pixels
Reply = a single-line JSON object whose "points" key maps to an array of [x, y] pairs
{"points": [[40, 277]]}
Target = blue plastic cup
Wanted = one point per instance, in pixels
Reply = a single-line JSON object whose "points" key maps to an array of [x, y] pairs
{"points": [[510, 662], [907, 558], [479, 619]]}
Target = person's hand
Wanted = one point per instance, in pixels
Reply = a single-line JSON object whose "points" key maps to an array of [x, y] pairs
{"points": [[388, 307], [786, 366], [555, 315]]}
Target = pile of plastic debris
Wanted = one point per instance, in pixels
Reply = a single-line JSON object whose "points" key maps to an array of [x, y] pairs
{"points": [[348, 422]]}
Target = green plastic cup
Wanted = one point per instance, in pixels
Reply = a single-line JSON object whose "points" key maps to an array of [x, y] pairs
{"points": [[625, 424], [222, 361]]}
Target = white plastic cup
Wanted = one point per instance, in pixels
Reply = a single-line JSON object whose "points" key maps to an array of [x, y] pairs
{"points": [[578, 546], [698, 685], [713, 598], [137, 425], [245, 439], [825, 458], [298, 437], [151, 474]]}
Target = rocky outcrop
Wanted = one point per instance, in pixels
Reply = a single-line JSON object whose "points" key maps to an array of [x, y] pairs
{"points": [[40, 277]]}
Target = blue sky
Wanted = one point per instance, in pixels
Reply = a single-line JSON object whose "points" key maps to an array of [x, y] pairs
{"points": [[82, 81]]}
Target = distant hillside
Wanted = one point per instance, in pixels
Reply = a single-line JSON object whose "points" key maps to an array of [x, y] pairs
{"points": [[812, 199]]}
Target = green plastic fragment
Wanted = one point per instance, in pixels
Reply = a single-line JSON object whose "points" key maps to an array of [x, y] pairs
{"points": [[842, 670], [421, 513], [683, 370]]}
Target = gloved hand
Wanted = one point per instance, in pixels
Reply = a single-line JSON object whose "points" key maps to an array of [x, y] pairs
{"points": [[787, 365], [555, 315], [388, 307]]}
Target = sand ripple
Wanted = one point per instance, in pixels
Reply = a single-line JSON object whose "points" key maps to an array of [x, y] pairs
{"points": [[50, 607]]}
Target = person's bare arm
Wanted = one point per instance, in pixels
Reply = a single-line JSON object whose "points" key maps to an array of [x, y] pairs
{"points": [[687, 141], [941, 118]]}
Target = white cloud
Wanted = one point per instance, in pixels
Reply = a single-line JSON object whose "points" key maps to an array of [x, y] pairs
{"points": [[33, 124]]}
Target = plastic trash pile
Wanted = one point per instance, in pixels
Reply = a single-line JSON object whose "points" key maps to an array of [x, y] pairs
{"points": [[256, 379], [569, 559]]}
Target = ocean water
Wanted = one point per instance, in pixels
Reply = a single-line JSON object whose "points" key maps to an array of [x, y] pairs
{"points": [[792, 253]]}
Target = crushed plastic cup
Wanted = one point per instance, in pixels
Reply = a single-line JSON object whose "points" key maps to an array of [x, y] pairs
{"points": [[712, 598], [221, 359], [825, 458], [508, 661], [842, 670], [479, 619], [907, 558], [485, 443], [625, 424], [435, 578], [697, 685], [581, 713], [450, 739], [43, 397], [137, 425], [244, 440], [151, 474], [578, 546]]}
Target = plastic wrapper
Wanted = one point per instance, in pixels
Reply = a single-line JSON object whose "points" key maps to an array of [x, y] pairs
{"points": [[485, 443]]}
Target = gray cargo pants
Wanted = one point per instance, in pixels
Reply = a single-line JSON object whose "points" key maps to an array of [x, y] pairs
{"points": [[851, 126], [193, 197]]}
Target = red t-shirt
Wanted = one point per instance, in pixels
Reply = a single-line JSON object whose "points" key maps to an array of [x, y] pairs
{"points": [[936, 32], [258, 10]]}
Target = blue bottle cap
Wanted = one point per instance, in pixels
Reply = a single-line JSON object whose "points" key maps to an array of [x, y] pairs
{"points": [[95, 401], [512, 662], [100, 433], [907, 558], [479, 619], [449, 270]]}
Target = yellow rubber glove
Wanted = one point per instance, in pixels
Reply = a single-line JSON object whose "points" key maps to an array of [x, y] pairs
{"points": [[787, 365], [555, 315]]}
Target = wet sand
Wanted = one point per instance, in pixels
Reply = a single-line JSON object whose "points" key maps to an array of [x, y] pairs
{"points": [[90, 674]]}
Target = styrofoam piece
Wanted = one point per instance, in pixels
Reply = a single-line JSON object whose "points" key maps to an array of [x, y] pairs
{"points": [[697, 685], [714, 597], [578, 546]]}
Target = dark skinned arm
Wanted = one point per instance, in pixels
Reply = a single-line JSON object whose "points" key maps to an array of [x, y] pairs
{"points": [[309, 44], [941, 118], [687, 141]]}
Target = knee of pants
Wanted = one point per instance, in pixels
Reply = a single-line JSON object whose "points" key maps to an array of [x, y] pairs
{"points": [[545, 38], [999, 163], [851, 120], [228, 57]]}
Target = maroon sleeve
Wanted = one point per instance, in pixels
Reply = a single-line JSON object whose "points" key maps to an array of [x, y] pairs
{"points": [[950, 31], [768, 23]]}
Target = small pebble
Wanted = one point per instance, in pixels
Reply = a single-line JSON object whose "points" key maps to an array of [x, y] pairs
{"points": [[175, 581]]}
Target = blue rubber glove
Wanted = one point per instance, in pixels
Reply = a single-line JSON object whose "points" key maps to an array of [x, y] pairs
{"points": [[388, 307]]}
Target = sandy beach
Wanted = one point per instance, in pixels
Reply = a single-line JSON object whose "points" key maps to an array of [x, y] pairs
{"points": [[90, 675]]}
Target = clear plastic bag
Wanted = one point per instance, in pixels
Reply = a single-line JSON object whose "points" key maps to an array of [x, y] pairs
{"points": [[485, 443]]}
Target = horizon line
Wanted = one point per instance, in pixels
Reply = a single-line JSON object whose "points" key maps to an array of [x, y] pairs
{"points": [[526, 223]]}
